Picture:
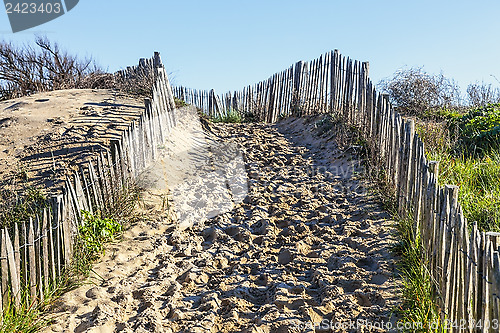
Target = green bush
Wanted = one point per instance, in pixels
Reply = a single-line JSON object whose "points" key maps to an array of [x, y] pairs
{"points": [[179, 103], [97, 231], [232, 116], [479, 129], [93, 235]]}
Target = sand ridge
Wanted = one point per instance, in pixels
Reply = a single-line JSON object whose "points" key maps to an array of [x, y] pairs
{"points": [[49, 134]]}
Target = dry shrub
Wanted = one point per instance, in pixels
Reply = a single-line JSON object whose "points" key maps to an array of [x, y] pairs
{"points": [[481, 94], [414, 91], [436, 136], [98, 80], [44, 66]]}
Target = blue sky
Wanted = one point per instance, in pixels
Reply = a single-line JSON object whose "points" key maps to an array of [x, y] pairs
{"points": [[229, 44]]}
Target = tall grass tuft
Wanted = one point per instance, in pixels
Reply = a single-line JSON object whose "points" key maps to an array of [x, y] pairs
{"points": [[418, 309], [232, 116], [479, 182], [15, 208], [179, 103], [26, 319]]}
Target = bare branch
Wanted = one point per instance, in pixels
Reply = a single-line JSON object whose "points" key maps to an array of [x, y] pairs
{"points": [[24, 69], [414, 91]]}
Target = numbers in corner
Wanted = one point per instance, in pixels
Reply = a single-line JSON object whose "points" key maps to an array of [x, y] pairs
{"points": [[33, 8]]}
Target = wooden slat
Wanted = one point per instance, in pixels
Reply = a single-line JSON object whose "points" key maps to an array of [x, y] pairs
{"points": [[24, 261], [57, 235], [482, 274], [103, 180], [117, 163], [82, 199], [45, 249], [94, 184], [14, 271], [496, 283], [52, 244], [38, 259], [1, 304], [32, 262], [4, 269], [110, 167], [87, 190], [66, 229], [17, 252], [476, 270], [74, 198]]}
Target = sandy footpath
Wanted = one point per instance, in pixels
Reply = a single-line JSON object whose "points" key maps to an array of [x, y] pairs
{"points": [[306, 250]]}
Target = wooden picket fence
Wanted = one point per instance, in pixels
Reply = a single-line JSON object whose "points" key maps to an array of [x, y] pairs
{"points": [[35, 253], [463, 261], [318, 86]]}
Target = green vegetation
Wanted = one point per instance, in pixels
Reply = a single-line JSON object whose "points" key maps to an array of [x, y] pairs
{"points": [[27, 319], [465, 139], [479, 182], [232, 116], [89, 246], [467, 145], [95, 232], [418, 309], [418, 305], [122, 207], [468, 149], [479, 130], [179, 103]]}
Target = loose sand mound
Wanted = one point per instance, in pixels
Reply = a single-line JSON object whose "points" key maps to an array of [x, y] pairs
{"points": [[45, 135], [306, 250]]}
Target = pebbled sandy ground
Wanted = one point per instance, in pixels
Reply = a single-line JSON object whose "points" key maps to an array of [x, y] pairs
{"points": [[306, 251]]}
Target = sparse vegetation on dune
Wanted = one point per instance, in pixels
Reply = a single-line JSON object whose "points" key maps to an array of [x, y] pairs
{"points": [[97, 229], [15, 208], [465, 139], [468, 148], [179, 103], [45, 66], [232, 116]]}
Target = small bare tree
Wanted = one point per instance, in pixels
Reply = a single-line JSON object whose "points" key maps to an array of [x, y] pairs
{"points": [[482, 94], [413, 91], [44, 67]]}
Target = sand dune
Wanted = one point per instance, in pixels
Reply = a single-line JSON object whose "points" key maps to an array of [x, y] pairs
{"points": [[48, 134]]}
